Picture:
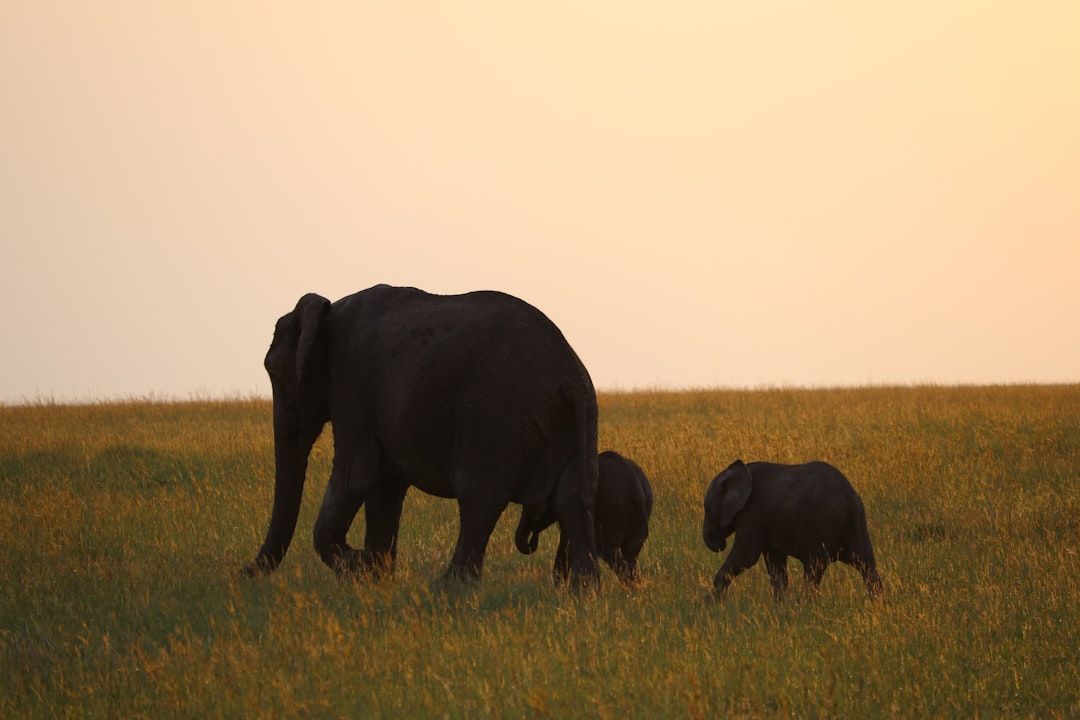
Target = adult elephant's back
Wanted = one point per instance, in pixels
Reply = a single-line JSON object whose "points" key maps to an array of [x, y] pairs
{"points": [[483, 378]]}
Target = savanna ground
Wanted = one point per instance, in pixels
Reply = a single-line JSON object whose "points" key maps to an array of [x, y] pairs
{"points": [[122, 527]]}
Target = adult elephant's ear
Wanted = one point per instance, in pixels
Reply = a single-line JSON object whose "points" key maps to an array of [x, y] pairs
{"points": [[310, 309], [737, 487], [294, 344]]}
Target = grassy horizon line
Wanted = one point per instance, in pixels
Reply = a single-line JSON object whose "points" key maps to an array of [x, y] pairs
{"points": [[197, 397]]}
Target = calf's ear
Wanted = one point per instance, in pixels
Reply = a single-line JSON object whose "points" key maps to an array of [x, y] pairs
{"points": [[738, 484]]}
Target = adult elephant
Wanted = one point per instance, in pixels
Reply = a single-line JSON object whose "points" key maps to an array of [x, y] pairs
{"points": [[477, 397]]}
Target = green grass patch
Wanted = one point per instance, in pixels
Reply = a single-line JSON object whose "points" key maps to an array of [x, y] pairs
{"points": [[122, 527]]}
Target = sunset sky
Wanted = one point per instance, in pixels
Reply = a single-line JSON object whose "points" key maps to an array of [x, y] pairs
{"points": [[697, 193]]}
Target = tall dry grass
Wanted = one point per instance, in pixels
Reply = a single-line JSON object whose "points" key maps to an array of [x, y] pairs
{"points": [[121, 527]]}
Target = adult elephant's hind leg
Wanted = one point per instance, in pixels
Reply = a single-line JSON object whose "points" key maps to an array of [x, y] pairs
{"points": [[478, 516], [578, 529], [339, 507]]}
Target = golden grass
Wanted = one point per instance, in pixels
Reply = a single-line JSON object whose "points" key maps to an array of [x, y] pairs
{"points": [[122, 525]]}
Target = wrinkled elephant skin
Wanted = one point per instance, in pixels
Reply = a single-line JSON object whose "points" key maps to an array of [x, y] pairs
{"points": [[477, 397]]}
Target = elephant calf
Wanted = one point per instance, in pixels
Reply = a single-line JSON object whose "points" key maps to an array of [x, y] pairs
{"points": [[624, 501], [809, 512]]}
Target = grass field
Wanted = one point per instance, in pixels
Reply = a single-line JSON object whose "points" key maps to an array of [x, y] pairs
{"points": [[122, 527]]}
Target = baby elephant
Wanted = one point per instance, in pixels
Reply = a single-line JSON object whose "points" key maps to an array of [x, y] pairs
{"points": [[809, 512], [624, 501]]}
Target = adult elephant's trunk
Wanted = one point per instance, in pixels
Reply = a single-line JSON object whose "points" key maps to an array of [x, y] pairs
{"points": [[291, 450]]}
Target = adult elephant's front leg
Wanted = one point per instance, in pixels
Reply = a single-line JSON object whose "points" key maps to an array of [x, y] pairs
{"points": [[478, 519]]}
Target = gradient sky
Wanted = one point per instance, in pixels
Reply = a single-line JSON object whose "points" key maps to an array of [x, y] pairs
{"points": [[697, 193]]}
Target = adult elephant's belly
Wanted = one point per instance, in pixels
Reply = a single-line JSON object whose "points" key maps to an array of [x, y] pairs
{"points": [[431, 479]]}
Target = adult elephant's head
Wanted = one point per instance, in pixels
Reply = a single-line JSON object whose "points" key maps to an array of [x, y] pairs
{"points": [[297, 365]]}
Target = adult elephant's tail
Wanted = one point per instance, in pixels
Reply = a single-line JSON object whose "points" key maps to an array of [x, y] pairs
{"points": [[576, 494]]}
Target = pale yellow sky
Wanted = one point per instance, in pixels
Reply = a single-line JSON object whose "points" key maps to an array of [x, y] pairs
{"points": [[698, 193]]}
